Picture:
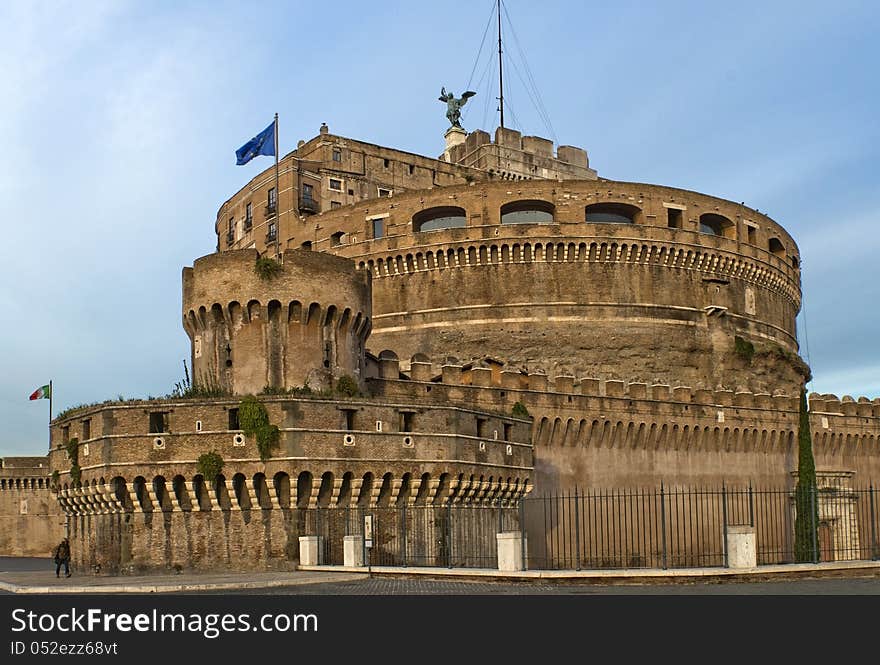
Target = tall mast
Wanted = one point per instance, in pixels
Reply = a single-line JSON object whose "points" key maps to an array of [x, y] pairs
{"points": [[500, 71]]}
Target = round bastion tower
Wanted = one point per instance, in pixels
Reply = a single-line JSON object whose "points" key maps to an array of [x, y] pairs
{"points": [[305, 325]]}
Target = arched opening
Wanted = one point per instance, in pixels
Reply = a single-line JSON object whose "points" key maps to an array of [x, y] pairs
{"points": [[325, 492], [776, 247], [200, 493], [366, 490], [303, 489], [385, 490], [221, 493], [281, 482], [611, 213], [160, 491], [239, 487], [261, 490], [178, 484], [139, 486], [716, 225], [527, 212], [441, 217]]}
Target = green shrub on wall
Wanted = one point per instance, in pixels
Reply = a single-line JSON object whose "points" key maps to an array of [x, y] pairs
{"points": [[254, 421], [267, 268], [210, 465], [743, 348], [519, 410], [347, 386]]}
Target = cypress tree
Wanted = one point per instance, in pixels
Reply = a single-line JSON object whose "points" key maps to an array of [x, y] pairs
{"points": [[806, 500]]}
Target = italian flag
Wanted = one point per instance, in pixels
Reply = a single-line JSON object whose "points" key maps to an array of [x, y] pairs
{"points": [[43, 392]]}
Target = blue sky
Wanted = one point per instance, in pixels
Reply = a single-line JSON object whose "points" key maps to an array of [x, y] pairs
{"points": [[120, 121]]}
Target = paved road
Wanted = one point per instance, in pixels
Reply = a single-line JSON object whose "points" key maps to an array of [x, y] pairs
{"points": [[419, 586]]}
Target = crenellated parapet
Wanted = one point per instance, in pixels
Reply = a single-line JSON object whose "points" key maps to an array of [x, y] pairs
{"points": [[303, 324], [588, 413]]}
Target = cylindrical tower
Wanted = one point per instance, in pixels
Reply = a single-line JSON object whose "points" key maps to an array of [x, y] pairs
{"points": [[305, 325]]}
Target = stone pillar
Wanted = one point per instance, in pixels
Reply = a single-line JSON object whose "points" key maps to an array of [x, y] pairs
{"points": [[310, 551], [230, 490], [741, 552], [352, 551], [510, 551], [454, 136]]}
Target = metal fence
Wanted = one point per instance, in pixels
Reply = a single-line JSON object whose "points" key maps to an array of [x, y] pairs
{"points": [[632, 528]]}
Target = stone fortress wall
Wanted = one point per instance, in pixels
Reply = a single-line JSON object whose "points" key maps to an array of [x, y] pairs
{"points": [[616, 434], [142, 502], [32, 522], [642, 300], [248, 332]]}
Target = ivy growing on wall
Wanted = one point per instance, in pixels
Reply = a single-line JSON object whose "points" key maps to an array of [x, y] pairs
{"points": [[72, 447], [254, 421]]}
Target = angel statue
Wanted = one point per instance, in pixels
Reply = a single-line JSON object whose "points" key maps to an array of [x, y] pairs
{"points": [[453, 105]]}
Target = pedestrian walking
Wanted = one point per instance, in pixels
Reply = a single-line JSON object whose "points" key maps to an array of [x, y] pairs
{"points": [[62, 557]]}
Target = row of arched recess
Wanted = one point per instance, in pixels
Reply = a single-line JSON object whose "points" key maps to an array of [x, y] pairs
{"points": [[605, 433], [670, 256], [24, 483], [293, 312], [242, 492], [536, 211]]}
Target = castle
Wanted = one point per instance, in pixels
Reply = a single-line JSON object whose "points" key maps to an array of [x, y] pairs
{"points": [[461, 330]]}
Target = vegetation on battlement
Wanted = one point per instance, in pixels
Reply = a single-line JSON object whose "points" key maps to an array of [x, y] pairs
{"points": [[267, 268], [254, 421]]}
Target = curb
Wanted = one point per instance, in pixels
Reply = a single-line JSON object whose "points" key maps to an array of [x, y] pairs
{"points": [[859, 569]]}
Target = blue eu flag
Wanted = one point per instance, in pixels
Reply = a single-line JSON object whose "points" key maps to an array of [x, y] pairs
{"points": [[262, 144]]}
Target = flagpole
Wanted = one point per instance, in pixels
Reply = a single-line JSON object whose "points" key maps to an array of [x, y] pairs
{"points": [[277, 192], [50, 414]]}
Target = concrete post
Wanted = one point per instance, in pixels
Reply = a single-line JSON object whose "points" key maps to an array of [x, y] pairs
{"points": [[353, 551], [310, 551], [741, 551], [510, 549]]}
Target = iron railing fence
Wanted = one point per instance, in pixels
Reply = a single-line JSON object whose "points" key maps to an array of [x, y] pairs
{"points": [[677, 527], [686, 527]]}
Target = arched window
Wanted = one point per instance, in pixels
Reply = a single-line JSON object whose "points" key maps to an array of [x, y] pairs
{"points": [[611, 213], [716, 225], [527, 212], [776, 247], [441, 217]]}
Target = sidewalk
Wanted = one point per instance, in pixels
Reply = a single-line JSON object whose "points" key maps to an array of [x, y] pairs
{"points": [[44, 582]]}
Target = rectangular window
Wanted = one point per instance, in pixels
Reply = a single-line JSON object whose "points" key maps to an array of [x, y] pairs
{"points": [[753, 234], [337, 155], [233, 420], [481, 427], [335, 184], [158, 422], [349, 419], [248, 215], [272, 201], [383, 192], [508, 429], [65, 434], [386, 163], [336, 238], [411, 169], [406, 421], [87, 429], [335, 204], [271, 232], [673, 218], [378, 228], [230, 231], [351, 192]]}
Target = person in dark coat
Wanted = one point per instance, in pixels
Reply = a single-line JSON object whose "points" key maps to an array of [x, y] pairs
{"points": [[62, 557]]}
